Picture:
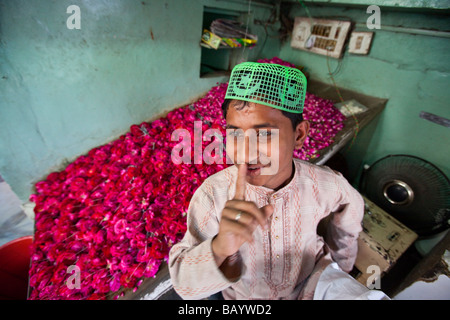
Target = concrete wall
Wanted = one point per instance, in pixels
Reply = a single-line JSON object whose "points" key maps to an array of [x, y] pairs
{"points": [[65, 91], [412, 71]]}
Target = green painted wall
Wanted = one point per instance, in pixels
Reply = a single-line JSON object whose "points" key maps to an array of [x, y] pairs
{"points": [[63, 92], [412, 71], [430, 4]]}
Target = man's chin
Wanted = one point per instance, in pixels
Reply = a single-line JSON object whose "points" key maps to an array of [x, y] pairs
{"points": [[258, 181]]}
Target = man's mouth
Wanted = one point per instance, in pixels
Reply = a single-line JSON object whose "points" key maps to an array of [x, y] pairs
{"points": [[254, 170]]}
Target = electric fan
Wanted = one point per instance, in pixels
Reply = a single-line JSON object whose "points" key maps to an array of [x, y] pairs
{"points": [[412, 190]]}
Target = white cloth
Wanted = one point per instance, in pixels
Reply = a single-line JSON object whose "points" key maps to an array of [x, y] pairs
{"points": [[335, 284]]}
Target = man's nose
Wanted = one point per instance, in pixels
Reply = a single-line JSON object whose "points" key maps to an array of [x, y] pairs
{"points": [[247, 150]]}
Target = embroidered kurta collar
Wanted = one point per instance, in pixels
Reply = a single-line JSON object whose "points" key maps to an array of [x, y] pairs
{"points": [[279, 193]]}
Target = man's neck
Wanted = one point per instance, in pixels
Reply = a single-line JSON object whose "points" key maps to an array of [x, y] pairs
{"points": [[289, 179]]}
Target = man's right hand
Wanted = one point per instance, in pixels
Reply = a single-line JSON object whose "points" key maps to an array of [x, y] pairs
{"points": [[239, 220]]}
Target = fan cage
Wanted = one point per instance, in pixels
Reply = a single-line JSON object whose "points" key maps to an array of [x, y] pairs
{"points": [[426, 210]]}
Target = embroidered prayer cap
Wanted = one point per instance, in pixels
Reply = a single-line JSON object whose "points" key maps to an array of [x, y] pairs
{"points": [[269, 84]]}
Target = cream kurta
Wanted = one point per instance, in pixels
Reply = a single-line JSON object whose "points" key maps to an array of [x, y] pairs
{"points": [[283, 262]]}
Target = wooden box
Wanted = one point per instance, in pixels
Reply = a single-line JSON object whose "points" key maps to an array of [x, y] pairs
{"points": [[382, 241]]}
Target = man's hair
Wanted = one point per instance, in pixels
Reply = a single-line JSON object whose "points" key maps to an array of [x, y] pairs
{"points": [[295, 118]]}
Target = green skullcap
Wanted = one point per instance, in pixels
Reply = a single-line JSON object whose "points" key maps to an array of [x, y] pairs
{"points": [[270, 84]]}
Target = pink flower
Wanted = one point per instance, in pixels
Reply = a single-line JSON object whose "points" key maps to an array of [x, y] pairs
{"points": [[99, 237], [115, 284], [151, 268], [125, 262], [143, 255], [119, 226], [119, 249]]}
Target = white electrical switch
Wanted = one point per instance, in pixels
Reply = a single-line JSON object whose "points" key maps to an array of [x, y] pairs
{"points": [[360, 42]]}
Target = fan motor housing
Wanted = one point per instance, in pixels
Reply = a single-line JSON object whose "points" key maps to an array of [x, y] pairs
{"points": [[412, 190], [398, 192]]}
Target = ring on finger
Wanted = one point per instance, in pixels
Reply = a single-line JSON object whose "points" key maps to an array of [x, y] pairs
{"points": [[238, 216]]}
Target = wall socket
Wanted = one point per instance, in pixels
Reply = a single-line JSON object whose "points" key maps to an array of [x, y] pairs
{"points": [[360, 42], [321, 36]]}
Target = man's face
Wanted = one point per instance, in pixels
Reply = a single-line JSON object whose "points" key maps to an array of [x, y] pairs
{"points": [[274, 148]]}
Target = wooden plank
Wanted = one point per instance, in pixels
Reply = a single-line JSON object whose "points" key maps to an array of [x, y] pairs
{"points": [[381, 243]]}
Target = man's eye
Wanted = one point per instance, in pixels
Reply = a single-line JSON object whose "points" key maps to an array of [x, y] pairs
{"points": [[235, 134], [264, 133]]}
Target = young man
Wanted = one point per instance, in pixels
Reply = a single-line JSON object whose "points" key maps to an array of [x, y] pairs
{"points": [[252, 231]]}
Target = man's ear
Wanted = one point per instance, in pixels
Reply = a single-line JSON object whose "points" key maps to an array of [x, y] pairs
{"points": [[301, 132]]}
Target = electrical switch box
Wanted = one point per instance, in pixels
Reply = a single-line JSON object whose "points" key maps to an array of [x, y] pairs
{"points": [[321, 36], [360, 42]]}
